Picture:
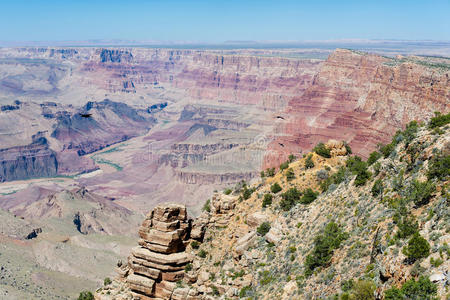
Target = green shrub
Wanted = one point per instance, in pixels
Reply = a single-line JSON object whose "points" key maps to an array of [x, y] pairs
{"points": [[373, 157], [436, 262], [363, 290], [284, 166], [308, 196], [265, 277], [386, 150], [215, 290], [195, 245], [347, 285], [246, 192], [421, 192], [423, 288], [439, 167], [267, 201], [377, 188], [376, 168], [188, 267], [348, 148], [291, 157], [107, 281], [275, 188], [358, 168], [202, 253], [86, 295], [262, 174], [290, 198], [238, 274], [324, 245], [207, 206], [321, 150], [439, 120], [407, 225], [270, 172], [309, 164], [417, 248], [227, 191], [290, 175], [410, 132], [335, 178], [245, 291], [263, 228], [393, 294]]}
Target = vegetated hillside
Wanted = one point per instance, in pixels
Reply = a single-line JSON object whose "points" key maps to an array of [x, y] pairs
{"points": [[328, 225]]}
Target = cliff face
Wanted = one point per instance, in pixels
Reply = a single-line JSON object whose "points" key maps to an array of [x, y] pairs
{"points": [[30, 161], [107, 123], [363, 99]]}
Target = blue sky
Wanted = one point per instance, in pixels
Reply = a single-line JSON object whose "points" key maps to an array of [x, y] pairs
{"points": [[218, 21]]}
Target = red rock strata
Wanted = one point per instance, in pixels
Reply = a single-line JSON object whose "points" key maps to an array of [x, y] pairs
{"points": [[362, 99]]}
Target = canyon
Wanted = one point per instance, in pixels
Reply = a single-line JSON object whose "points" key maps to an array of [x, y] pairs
{"points": [[126, 129]]}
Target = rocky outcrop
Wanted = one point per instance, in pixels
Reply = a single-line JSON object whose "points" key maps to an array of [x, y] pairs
{"points": [[159, 261], [24, 162], [110, 122]]}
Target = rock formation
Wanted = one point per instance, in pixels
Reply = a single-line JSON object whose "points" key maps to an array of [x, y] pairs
{"points": [[159, 261]]}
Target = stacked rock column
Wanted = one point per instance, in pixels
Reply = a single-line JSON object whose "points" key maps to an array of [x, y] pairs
{"points": [[159, 261]]}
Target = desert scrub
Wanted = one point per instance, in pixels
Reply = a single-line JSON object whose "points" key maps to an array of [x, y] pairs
{"points": [[228, 191], [289, 199], [246, 291], [417, 248], [188, 267], [324, 246], [263, 229], [358, 168], [335, 179], [270, 172], [309, 164], [207, 206], [265, 277], [284, 166], [267, 200], [308, 196], [275, 188], [377, 188], [322, 174], [290, 174], [373, 157], [291, 158], [423, 288], [202, 253], [421, 192], [195, 245], [439, 167], [439, 120], [86, 295], [107, 281], [321, 150]]}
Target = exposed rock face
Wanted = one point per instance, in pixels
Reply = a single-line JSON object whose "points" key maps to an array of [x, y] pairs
{"points": [[111, 122], [23, 162], [159, 260], [362, 99]]}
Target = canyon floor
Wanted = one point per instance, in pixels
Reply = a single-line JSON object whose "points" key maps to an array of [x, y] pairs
{"points": [[91, 139]]}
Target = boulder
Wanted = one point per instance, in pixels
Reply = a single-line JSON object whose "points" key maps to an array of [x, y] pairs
{"points": [[256, 219], [245, 242]]}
